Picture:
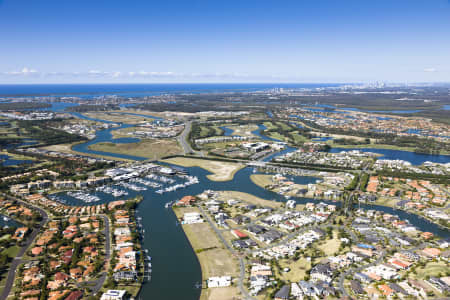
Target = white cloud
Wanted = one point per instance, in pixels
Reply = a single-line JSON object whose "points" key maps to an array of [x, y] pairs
{"points": [[25, 71], [430, 70], [142, 75], [116, 74]]}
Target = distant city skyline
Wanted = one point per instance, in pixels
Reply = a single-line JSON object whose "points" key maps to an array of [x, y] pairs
{"points": [[51, 41]]}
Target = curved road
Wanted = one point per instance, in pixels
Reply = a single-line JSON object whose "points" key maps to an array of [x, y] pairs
{"points": [[182, 138], [18, 259], [96, 285], [355, 270]]}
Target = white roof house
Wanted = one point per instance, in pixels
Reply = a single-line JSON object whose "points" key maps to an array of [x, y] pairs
{"points": [[114, 295], [222, 281]]}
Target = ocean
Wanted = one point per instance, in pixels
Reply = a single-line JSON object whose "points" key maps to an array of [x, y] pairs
{"points": [[139, 90]]}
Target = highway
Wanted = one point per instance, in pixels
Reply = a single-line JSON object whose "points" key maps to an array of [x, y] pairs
{"points": [[183, 140]]}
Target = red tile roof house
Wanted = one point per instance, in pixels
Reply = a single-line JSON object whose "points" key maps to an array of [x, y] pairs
{"points": [[76, 273], [60, 276], [398, 264], [75, 295], [89, 270], [70, 232], [431, 252], [37, 251], [20, 233], [186, 201], [427, 235], [54, 264], [238, 234], [387, 291], [30, 293], [67, 256]]}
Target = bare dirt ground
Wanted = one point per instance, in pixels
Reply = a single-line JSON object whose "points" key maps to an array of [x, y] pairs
{"points": [[222, 171]]}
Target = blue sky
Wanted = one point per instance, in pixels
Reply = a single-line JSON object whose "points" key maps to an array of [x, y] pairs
{"points": [[80, 41]]}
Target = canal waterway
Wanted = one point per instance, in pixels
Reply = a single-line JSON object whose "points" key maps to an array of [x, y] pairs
{"points": [[105, 135], [173, 259], [6, 161], [412, 157], [227, 131], [8, 222], [176, 270]]}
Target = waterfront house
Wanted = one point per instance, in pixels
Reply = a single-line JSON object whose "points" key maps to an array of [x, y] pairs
{"points": [[125, 275], [186, 201], [192, 218], [114, 295], [222, 281], [430, 252]]}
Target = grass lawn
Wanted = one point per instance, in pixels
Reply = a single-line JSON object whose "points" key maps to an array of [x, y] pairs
{"points": [[150, 148], [214, 258], [118, 117], [331, 246], [5, 237], [243, 130], [386, 202], [2, 282], [218, 131], [17, 156], [221, 171], [261, 180], [432, 269], [283, 126], [223, 293], [276, 135], [67, 148], [299, 138], [298, 269], [376, 146], [149, 113], [226, 195], [119, 133], [132, 289], [11, 251], [270, 125], [203, 131]]}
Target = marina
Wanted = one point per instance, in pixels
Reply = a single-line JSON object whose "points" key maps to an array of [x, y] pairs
{"points": [[112, 191], [85, 197], [172, 258], [171, 252]]}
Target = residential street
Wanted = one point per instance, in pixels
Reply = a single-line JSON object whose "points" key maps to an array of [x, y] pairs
{"points": [[18, 259]]}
